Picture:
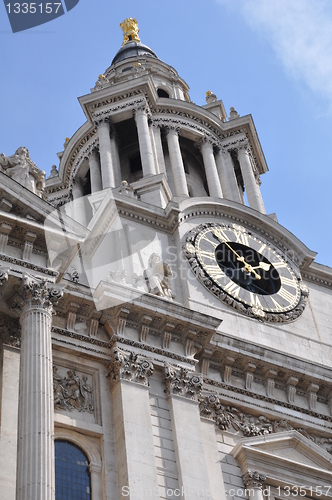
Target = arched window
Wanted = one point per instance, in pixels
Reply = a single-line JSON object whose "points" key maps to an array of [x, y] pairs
{"points": [[72, 475], [162, 93]]}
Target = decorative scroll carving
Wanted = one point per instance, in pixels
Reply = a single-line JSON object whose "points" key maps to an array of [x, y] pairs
{"points": [[227, 418], [253, 479], [182, 382], [4, 275], [39, 292], [23, 170], [72, 392], [158, 276], [269, 317], [130, 366]]}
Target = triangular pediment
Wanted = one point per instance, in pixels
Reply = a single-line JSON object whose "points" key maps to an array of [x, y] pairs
{"points": [[287, 457]]}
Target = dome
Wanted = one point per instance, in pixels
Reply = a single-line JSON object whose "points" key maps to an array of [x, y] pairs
{"points": [[133, 49]]}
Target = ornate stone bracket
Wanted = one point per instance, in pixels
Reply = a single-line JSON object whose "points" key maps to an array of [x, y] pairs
{"points": [[182, 382], [253, 479], [128, 365]]}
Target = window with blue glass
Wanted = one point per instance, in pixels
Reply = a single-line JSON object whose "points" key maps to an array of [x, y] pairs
{"points": [[72, 475]]}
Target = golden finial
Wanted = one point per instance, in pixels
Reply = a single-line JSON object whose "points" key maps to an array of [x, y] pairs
{"points": [[67, 139], [101, 77], [130, 31], [137, 64], [209, 93]]}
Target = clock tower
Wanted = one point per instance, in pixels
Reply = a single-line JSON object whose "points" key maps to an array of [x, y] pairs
{"points": [[162, 336]]}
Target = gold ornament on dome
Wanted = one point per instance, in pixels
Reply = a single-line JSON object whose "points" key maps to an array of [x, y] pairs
{"points": [[130, 31], [208, 93]]}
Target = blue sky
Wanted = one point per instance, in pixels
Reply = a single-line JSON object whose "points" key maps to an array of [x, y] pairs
{"points": [[270, 58]]}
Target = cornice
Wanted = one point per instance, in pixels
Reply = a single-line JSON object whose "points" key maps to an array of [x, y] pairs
{"points": [[318, 274]]}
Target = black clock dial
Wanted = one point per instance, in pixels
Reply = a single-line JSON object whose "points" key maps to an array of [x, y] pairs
{"points": [[265, 281]]}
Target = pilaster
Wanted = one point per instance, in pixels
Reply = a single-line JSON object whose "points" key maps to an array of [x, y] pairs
{"points": [[183, 388], [137, 469], [253, 482]]}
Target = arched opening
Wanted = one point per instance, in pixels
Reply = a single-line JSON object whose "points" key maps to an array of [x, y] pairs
{"points": [[72, 474], [162, 93]]}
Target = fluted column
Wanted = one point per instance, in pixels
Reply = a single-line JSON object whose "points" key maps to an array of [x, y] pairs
{"points": [[144, 139], [35, 454], [252, 188], [95, 172], [227, 176], [175, 156], [211, 171], [159, 148], [105, 150]]}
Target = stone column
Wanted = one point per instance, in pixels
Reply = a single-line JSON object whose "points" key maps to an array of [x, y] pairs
{"points": [[159, 148], [78, 205], [227, 176], [211, 171], [175, 156], [137, 470], [250, 183], [144, 139], [183, 388], [115, 158], [95, 172], [253, 482], [105, 150], [35, 454]]}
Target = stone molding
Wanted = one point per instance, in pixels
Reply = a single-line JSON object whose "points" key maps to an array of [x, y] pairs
{"points": [[253, 479], [127, 365], [28, 265], [39, 293], [182, 382]]}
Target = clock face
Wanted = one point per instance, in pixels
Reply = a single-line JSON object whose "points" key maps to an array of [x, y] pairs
{"points": [[245, 268]]}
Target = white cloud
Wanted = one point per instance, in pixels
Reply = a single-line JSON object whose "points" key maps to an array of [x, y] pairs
{"points": [[300, 33]]}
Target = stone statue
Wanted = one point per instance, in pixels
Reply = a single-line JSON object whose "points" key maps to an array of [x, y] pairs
{"points": [[23, 170], [159, 276]]}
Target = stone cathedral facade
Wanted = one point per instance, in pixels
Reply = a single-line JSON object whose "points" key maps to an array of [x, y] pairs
{"points": [[161, 336]]}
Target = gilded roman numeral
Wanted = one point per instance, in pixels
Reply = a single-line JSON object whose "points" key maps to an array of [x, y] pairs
{"points": [[220, 234], [242, 238], [232, 288], [287, 281], [214, 271], [276, 304], [208, 255], [289, 297], [213, 243], [254, 300], [262, 248], [279, 264]]}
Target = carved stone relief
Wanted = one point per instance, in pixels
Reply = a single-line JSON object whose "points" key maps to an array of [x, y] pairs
{"points": [[22, 169], [182, 382], [10, 333], [229, 417], [130, 366], [72, 391]]}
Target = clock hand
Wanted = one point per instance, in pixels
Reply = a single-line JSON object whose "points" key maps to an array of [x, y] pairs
{"points": [[248, 268], [263, 265]]}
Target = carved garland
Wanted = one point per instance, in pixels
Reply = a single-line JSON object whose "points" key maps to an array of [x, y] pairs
{"points": [[227, 417], [190, 253]]}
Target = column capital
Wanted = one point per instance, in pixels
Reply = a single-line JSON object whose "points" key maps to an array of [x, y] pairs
{"points": [[174, 129], [101, 120], [127, 365], [39, 293], [181, 382], [253, 479], [141, 109]]}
